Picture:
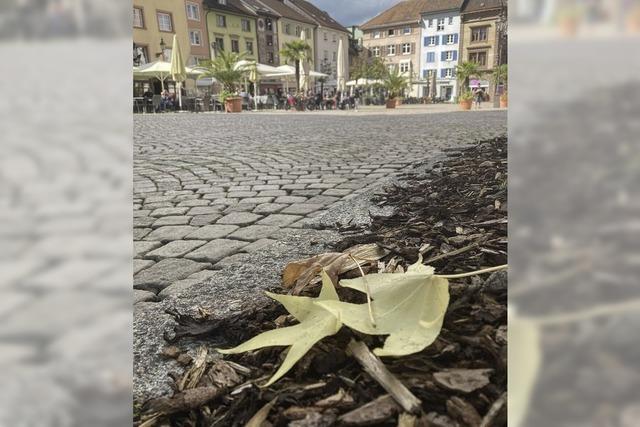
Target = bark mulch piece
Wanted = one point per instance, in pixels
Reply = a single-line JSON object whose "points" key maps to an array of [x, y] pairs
{"points": [[455, 214]]}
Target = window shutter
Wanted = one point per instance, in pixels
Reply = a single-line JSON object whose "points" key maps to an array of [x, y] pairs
{"points": [[455, 38], [443, 73], [455, 55], [398, 49], [383, 50], [437, 40], [443, 56], [413, 47], [426, 41], [424, 74]]}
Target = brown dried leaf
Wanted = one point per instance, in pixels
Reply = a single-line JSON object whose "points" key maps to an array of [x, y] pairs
{"points": [[463, 412], [184, 401], [377, 411], [464, 380], [341, 399]]}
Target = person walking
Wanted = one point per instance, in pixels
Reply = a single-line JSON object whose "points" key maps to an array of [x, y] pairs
{"points": [[479, 98]]}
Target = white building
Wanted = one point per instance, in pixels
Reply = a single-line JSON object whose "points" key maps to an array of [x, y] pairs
{"points": [[328, 33], [440, 51]]}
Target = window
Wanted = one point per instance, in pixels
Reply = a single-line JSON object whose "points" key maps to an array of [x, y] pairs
{"points": [[376, 35], [391, 49], [260, 24], [269, 24], [375, 50], [451, 20], [326, 37], [335, 56], [246, 25], [430, 23], [138, 17], [222, 2], [326, 56], [220, 43], [431, 41], [270, 57], [193, 11], [440, 24], [391, 32], [221, 21], [448, 56], [308, 33], [249, 46], [195, 37], [235, 46], [404, 67], [407, 30], [479, 58], [269, 40], [447, 72], [140, 55], [479, 34], [391, 67], [164, 22], [287, 28], [334, 38], [431, 57], [406, 48], [449, 39], [298, 30]]}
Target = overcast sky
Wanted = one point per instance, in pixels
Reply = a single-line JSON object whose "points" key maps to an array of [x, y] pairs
{"points": [[350, 12]]}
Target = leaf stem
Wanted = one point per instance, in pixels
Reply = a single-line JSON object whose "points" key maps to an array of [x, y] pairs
{"points": [[368, 292], [473, 273]]}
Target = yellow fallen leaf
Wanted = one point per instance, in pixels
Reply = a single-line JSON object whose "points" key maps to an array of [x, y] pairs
{"points": [[409, 307], [315, 324]]}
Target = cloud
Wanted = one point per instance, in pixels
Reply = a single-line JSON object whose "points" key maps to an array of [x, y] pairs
{"points": [[354, 12]]}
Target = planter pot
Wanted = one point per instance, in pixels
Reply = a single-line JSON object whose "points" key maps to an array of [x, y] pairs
{"points": [[391, 103], [569, 27], [504, 103], [633, 24], [466, 104], [233, 104]]}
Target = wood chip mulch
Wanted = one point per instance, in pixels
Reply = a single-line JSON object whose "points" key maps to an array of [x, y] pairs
{"points": [[455, 215]]}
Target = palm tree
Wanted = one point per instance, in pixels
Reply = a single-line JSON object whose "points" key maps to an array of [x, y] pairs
{"points": [[296, 51], [465, 71], [395, 83], [225, 69], [501, 75]]}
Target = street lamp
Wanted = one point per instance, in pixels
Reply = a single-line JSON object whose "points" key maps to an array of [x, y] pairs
{"points": [[162, 46]]}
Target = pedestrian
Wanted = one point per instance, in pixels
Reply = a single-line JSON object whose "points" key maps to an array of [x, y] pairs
{"points": [[479, 98]]}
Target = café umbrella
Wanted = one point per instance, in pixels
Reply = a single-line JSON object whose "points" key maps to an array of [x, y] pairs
{"points": [[178, 68], [341, 72], [304, 67]]}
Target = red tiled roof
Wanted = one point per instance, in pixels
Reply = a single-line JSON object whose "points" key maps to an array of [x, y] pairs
{"points": [[409, 11], [319, 16]]}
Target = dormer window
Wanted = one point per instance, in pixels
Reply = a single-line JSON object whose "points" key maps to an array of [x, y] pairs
{"points": [[222, 2]]}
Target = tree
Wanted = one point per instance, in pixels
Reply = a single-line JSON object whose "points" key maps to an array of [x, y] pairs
{"points": [[465, 71], [296, 51], [225, 69], [501, 75], [395, 83]]}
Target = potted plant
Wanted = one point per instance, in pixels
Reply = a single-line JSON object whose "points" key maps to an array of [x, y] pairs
{"points": [[227, 72], [569, 17], [500, 77], [466, 99], [464, 72], [395, 83], [633, 19]]}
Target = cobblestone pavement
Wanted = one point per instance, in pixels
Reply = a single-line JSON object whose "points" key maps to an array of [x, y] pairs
{"points": [[209, 189]]}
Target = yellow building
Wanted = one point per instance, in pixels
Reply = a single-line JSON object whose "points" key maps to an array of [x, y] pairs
{"points": [[155, 22], [231, 27]]}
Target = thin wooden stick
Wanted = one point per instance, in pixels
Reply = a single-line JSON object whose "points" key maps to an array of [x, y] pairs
{"points": [[376, 369], [592, 313], [368, 291], [473, 273], [452, 253]]}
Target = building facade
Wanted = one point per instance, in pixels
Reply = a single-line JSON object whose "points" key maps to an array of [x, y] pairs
{"points": [[480, 39], [290, 26], [440, 51], [327, 36], [394, 35], [154, 24], [198, 38], [267, 32], [231, 27]]}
